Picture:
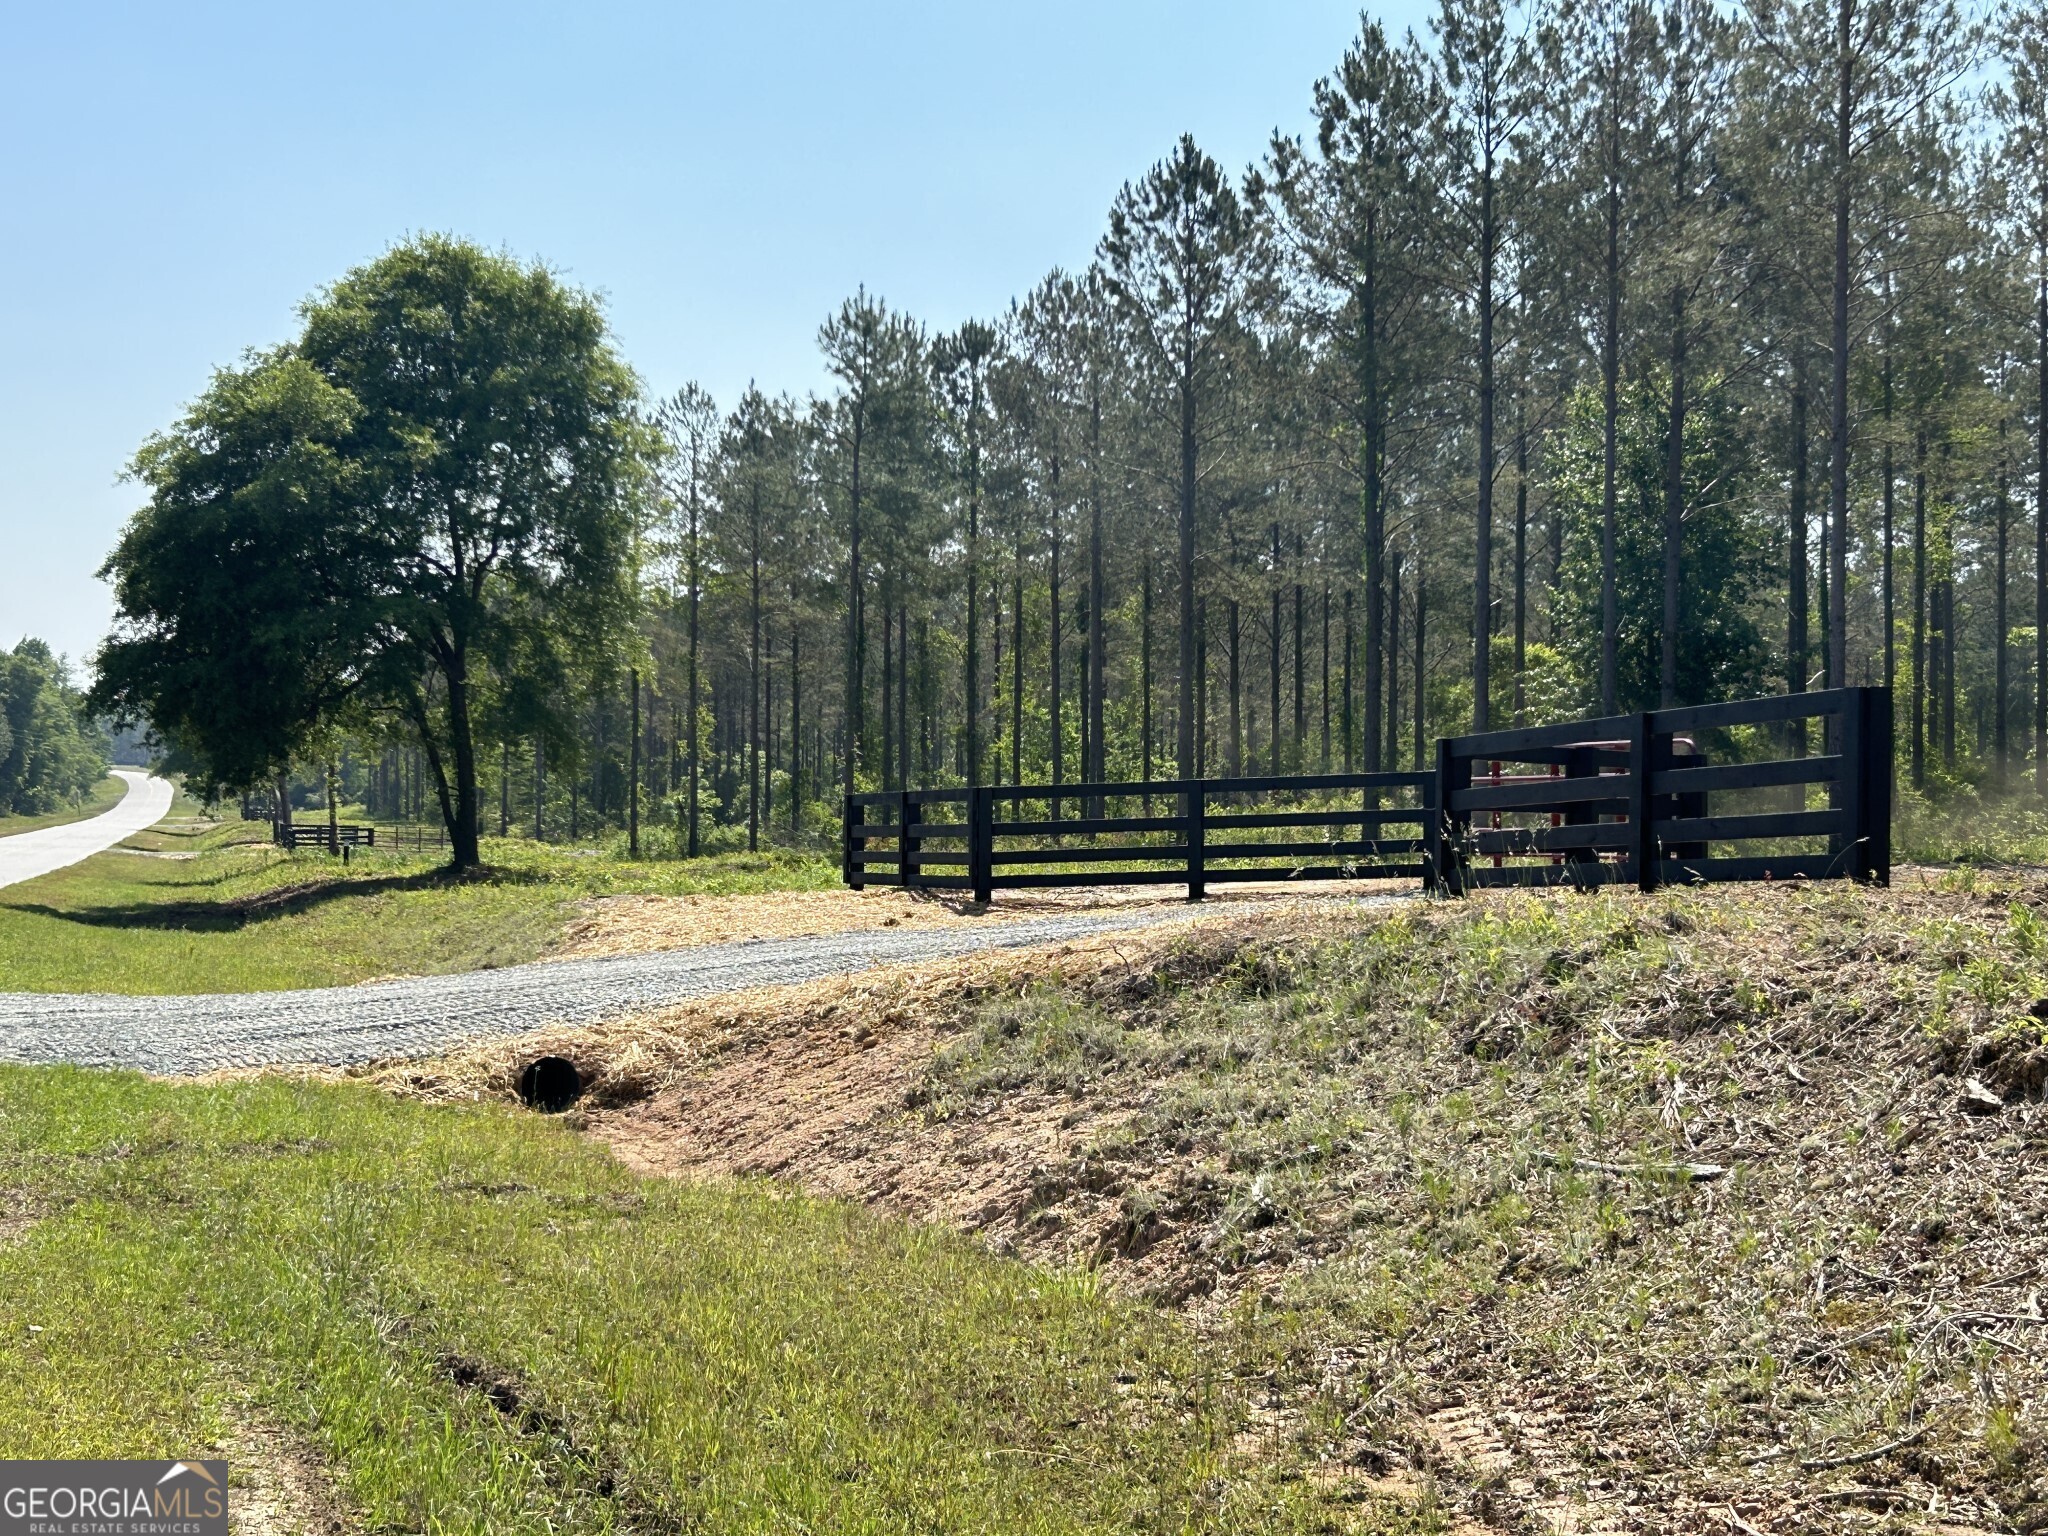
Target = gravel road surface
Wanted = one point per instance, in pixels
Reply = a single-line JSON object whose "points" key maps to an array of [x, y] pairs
{"points": [[421, 1016], [28, 854]]}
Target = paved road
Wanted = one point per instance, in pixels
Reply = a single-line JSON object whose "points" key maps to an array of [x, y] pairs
{"points": [[26, 855], [425, 1015]]}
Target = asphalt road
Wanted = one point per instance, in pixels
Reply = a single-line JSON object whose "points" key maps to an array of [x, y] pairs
{"points": [[422, 1016], [26, 855]]}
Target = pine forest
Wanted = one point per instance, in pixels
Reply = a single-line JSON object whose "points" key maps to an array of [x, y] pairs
{"points": [[1581, 359]]}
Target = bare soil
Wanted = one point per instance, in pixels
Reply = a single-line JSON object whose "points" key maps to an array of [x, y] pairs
{"points": [[621, 925], [632, 1062], [277, 1486]]}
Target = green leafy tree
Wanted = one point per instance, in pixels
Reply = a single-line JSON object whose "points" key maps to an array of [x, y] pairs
{"points": [[422, 509], [1721, 655], [49, 754]]}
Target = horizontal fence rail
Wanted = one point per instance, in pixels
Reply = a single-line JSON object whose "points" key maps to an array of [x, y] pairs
{"points": [[1631, 799], [319, 835], [1639, 800], [1192, 832]]}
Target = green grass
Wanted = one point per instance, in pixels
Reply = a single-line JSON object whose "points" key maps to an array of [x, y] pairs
{"points": [[103, 796], [1459, 1141], [1961, 826], [244, 916], [481, 1323]]}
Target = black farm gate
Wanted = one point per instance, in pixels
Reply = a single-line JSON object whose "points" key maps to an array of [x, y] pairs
{"points": [[1640, 799]]}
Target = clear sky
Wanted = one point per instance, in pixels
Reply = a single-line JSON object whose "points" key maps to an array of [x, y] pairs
{"points": [[177, 177]]}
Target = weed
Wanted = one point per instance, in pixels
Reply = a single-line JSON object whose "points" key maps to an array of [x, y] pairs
{"points": [[485, 1325]]}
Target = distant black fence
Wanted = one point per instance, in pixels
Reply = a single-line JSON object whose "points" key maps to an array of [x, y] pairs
{"points": [[319, 835], [1632, 799]]}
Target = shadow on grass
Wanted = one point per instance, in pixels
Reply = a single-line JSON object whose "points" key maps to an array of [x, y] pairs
{"points": [[240, 912]]}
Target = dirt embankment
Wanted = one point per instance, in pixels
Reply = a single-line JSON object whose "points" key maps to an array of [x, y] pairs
{"points": [[622, 925], [1722, 1211]]}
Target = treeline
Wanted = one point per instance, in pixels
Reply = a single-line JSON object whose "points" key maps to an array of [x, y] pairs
{"points": [[1582, 358], [50, 753]]}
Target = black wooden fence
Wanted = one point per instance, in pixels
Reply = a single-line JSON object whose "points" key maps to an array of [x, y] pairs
{"points": [[1641, 799], [288, 834], [1634, 799], [1195, 833]]}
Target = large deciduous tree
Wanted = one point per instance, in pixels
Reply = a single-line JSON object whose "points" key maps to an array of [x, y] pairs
{"points": [[49, 754], [424, 505]]}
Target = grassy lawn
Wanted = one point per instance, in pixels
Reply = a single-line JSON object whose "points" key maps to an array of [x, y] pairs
{"points": [[103, 796], [480, 1323], [240, 915]]}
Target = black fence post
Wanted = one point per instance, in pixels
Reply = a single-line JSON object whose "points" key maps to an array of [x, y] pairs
{"points": [[1443, 840], [981, 836], [1845, 790], [1194, 806], [1642, 826], [1877, 785], [1863, 787], [850, 866], [1582, 864], [906, 846]]}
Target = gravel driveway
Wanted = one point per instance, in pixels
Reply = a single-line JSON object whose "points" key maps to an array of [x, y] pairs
{"points": [[424, 1015], [26, 855]]}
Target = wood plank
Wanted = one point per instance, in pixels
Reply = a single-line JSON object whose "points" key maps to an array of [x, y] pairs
{"points": [[1779, 706], [1316, 782], [1814, 866], [1607, 789], [1408, 871], [1503, 744], [1528, 840], [1311, 850], [1715, 829], [1789, 770], [1320, 818], [1089, 826], [1123, 854]]}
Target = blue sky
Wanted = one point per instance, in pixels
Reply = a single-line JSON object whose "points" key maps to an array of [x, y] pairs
{"points": [[177, 178]]}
